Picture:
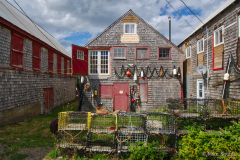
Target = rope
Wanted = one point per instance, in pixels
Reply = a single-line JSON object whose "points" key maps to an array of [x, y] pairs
{"points": [[130, 135]]}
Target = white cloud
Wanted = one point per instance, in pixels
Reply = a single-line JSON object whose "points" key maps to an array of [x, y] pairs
{"points": [[64, 18]]}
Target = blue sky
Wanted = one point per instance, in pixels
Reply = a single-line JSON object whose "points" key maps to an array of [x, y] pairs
{"points": [[79, 21]]}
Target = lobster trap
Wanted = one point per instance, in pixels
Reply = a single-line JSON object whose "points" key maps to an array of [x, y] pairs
{"points": [[160, 123], [126, 139], [72, 129], [98, 123], [72, 120], [101, 142], [131, 123]]}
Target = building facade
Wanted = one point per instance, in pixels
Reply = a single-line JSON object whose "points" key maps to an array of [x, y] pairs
{"points": [[130, 66], [210, 45], [35, 70]]}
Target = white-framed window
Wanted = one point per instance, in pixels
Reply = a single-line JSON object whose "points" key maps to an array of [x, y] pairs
{"points": [[218, 36], [98, 62], [188, 52], [238, 24], [200, 45], [80, 55], [200, 88], [119, 52], [129, 28]]}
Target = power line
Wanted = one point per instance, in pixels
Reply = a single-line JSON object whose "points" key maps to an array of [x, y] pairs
{"points": [[36, 26], [179, 14], [192, 11]]}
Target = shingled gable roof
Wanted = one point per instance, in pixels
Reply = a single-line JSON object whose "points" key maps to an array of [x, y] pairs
{"points": [[130, 12]]}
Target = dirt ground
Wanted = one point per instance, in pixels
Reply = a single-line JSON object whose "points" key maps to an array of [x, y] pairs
{"points": [[37, 153]]}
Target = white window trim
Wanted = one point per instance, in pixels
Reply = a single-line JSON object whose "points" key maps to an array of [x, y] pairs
{"points": [[238, 25], [125, 57], [200, 81], [198, 46], [215, 45], [99, 61], [80, 54], [190, 52], [135, 28]]}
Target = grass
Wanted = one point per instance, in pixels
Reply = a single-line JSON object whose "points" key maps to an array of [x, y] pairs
{"points": [[32, 132]]}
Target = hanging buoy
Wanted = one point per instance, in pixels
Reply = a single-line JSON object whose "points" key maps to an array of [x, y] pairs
{"points": [[132, 100], [226, 77], [128, 73]]}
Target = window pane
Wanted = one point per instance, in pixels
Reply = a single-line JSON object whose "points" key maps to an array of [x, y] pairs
{"points": [[132, 28], [142, 53], [220, 36], [127, 28]]}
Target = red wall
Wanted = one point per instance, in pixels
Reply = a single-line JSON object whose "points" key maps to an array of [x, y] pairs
{"points": [[79, 66]]}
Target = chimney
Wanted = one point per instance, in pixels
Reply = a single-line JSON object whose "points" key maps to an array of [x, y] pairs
{"points": [[169, 18]]}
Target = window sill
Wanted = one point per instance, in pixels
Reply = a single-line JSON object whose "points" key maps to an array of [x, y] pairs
{"points": [[98, 76], [200, 52], [218, 44], [164, 58], [188, 57], [119, 58]]}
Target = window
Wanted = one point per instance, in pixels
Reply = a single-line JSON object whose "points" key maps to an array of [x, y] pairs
{"points": [[36, 57], [218, 38], [119, 52], [200, 45], [200, 88], [50, 62], [142, 53], [129, 28], [80, 55], [17, 51], [188, 52], [98, 62], [164, 53]]}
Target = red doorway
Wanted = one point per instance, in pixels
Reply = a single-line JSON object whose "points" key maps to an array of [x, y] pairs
{"points": [[48, 100], [121, 96]]}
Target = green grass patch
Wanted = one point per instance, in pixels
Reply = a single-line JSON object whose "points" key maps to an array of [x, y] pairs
{"points": [[32, 132], [17, 156]]}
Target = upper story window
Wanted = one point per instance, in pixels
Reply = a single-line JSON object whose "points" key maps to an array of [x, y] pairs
{"points": [[200, 45], [98, 62], [218, 36], [119, 52], [188, 52], [80, 55], [17, 50], [129, 28], [142, 53], [164, 53]]}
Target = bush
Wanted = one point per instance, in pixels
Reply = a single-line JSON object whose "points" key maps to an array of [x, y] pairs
{"points": [[219, 145]]}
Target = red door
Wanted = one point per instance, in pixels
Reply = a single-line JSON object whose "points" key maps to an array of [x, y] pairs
{"points": [[121, 96], [79, 60], [48, 100]]}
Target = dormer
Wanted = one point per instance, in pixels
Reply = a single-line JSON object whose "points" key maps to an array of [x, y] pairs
{"points": [[130, 29]]}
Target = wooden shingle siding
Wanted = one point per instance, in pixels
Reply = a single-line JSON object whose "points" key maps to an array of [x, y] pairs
{"points": [[218, 57], [44, 60], [200, 59], [27, 54], [130, 19], [158, 89], [228, 20], [55, 65], [5, 44]]}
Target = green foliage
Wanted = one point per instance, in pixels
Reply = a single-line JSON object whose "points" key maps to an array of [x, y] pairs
{"points": [[144, 150], [17, 156], [202, 145]]}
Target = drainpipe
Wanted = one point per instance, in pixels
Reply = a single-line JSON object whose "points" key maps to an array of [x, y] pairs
{"points": [[207, 92], [169, 18]]}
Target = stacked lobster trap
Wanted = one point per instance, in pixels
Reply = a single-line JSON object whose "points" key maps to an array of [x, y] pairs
{"points": [[111, 132]]}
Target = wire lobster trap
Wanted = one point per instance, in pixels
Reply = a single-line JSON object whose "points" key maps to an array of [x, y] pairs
{"points": [[101, 142], [72, 130], [131, 123], [98, 123], [126, 139], [160, 123], [72, 120], [228, 108]]}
